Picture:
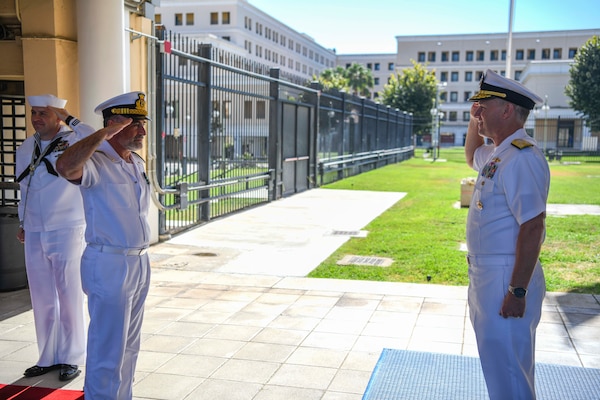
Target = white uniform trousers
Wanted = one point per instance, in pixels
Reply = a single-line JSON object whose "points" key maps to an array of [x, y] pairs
{"points": [[116, 286], [506, 346], [52, 261]]}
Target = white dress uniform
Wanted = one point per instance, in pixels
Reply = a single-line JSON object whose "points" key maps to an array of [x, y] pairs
{"points": [[511, 188], [115, 269], [51, 213]]}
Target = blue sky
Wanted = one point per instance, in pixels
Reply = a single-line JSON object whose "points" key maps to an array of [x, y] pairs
{"points": [[370, 26]]}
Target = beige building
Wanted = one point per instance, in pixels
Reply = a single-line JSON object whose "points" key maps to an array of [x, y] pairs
{"points": [[540, 60], [240, 26], [83, 51]]}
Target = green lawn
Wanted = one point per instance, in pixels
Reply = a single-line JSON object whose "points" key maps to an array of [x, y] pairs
{"points": [[423, 232]]}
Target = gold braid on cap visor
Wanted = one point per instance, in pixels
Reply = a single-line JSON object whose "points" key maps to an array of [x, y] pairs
{"points": [[483, 94]]}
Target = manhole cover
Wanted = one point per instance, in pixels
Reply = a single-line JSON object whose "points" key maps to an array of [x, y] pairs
{"points": [[366, 260], [205, 254], [349, 233]]}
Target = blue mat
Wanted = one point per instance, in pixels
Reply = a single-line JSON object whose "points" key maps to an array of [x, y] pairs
{"points": [[401, 374]]}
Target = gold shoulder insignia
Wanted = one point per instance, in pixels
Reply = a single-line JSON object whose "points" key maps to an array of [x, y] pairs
{"points": [[521, 143]]}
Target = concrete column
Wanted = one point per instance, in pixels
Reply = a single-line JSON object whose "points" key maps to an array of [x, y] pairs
{"points": [[103, 54]]}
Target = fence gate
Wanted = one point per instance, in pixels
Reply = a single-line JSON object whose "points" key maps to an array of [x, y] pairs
{"points": [[296, 124]]}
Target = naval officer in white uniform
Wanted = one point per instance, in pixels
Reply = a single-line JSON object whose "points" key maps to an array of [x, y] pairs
{"points": [[505, 232], [115, 269], [51, 228]]}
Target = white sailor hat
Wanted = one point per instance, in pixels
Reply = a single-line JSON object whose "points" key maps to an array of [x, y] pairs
{"points": [[495, 85], [46, 100], [132, 105]]}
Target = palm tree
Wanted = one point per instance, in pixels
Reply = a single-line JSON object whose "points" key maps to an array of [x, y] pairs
{"points": [[360, 79]]}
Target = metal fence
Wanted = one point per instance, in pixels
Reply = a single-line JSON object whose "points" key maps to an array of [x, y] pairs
{"points": [[235, 133]]}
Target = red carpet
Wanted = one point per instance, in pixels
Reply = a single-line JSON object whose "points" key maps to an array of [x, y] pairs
{"points": [[14, 392]]}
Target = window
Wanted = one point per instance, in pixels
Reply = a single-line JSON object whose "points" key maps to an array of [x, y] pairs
{"points": [[391, 66], [189, 18], [503, 56], [226, 18], [444, 76], [214, 18], [455, 56], [469, 56], [454, 76], [468, 76], [421, 56], [158, 19], [480, 55], [444, 96], [453, 116], [247, 109], [261, 110], [453, 97], [518, 75], [444, 56], [557, 54], [228, 38], [249, 24], [494, 55], [377, 67], [545, 54], [376, 81], [369, 66], [531, 54], [520, 54], [179, 19], [466, 116], [572, 52], [478, 75], [467, 96], [298, 48], [431, 56]]}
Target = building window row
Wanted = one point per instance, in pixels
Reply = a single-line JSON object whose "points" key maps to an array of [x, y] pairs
{"points": [[376, 66], [495, 55]]}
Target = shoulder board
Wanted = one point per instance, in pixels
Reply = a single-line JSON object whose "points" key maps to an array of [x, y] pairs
{"points": [[106, 155], [521, 143], [138, 156]]}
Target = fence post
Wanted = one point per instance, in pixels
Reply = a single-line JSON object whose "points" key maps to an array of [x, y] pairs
{"points": [[275, 135], [203, 104], [315, 100]]}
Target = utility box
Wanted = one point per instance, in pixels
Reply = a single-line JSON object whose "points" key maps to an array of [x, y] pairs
{"points": [[466, 191], [13, 275]]}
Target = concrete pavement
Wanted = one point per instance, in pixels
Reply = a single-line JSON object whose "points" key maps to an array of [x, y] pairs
{"points": [[231, 315]]}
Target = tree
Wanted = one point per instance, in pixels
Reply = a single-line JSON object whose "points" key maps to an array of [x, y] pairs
{"points": [[355, 79], [333, 78], [583, 88], [414, 90], [360, 79]]}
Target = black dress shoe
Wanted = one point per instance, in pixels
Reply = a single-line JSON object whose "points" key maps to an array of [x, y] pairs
{"points": [[68, 372], [36, 370]]}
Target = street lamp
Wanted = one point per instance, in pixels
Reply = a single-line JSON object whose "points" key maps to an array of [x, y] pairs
{"points": [[545, 108], [436, 114]]}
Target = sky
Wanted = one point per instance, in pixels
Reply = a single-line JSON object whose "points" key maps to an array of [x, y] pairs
{"points": [[370, 26]]}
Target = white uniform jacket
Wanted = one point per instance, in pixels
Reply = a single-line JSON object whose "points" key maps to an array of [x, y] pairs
{"points": [[49, 202], [117, 197], [511, 189]]}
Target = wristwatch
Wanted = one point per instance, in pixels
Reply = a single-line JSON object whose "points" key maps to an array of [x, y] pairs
{"points": [[518, 292]]}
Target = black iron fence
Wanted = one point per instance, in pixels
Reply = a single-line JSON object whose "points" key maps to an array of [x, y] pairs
{"points": [[234, 133]]}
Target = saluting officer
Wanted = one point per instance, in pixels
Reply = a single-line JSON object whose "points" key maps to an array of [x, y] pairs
{"points": [[51, 227], [505, 231], [115, 268]]}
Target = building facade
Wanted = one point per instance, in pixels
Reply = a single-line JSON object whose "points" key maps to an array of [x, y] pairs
{"points": [[243, 28], [540, 60]]}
